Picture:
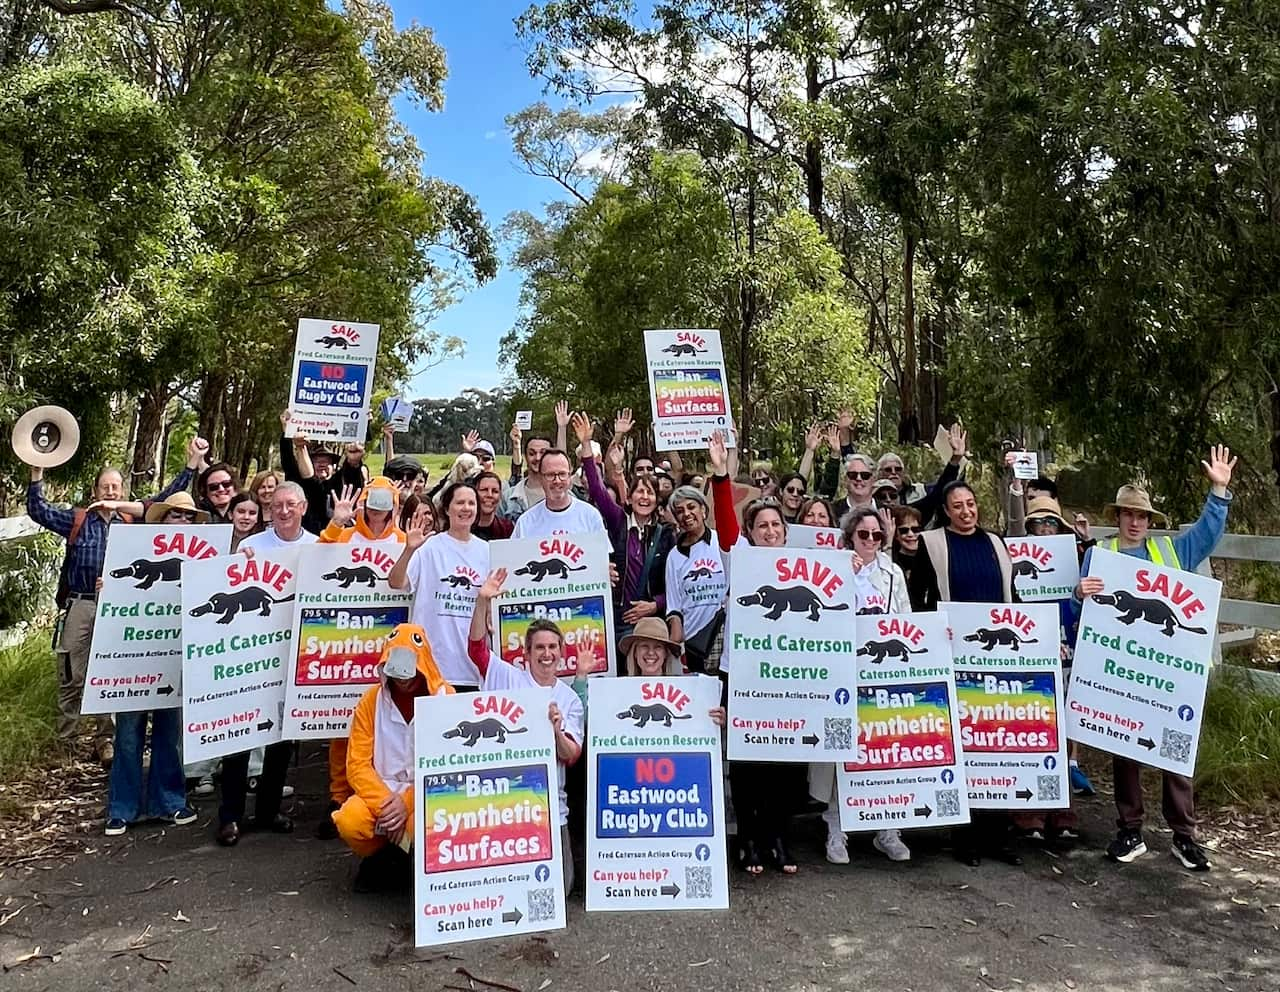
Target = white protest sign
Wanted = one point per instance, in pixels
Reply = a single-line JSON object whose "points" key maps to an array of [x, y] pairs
{"points": [[564, 579], [1142, 661], [793, 694], [397, 412], [1044, 568], [486, 842], [237, 642], [1026, 464], [345, 612], [909, 770], [800, 536], [332, 383], [135, 660], [688, 388], [655, 795], [524, 419], [1009, 685]]}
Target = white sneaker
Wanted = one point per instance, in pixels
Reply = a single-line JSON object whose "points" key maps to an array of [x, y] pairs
{"points": [[286, 791], [889, 843], [204, 787], [837, 849]]}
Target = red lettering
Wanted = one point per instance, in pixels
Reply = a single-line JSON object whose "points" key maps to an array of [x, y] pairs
{"points": [[188, 545], [563, 548], [1183, 597], [895, 627], [335, 372], [497, 704], [367, 554], [342, 330], [813, 572], [685, 337], [654, 769], [1026, 549], [1014, 618], [667, 693], [258, 570]]}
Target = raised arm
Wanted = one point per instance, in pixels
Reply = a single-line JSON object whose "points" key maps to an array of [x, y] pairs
{"points": [[722, 492], [517, 453], [614, 516], [562, 425], [1195, 544], [42, 511], [929, 505], [812, 438], [478, 635], [414, 538], [388, 443]]}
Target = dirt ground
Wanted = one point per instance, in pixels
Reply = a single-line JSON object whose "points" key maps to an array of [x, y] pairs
{"points": [[165, 907]]}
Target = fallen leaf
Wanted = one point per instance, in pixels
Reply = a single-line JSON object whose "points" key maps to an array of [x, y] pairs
{"points": [[1009, 904], [699, 964], [546, 984], [972, 923], [292, 893], [180, 917], [1056, 870], [603, 959]]}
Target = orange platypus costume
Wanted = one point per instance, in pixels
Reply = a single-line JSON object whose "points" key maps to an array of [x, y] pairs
{"points": [[380, 750]]}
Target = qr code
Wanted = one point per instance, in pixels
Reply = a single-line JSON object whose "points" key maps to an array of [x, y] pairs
{"points": [[837, 733], [349, 428], [948, 802], [697, 882], [542, 905], [1176, 746], [1048, 788]]}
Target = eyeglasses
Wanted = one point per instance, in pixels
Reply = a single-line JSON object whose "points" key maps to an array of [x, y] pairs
{"points": [[555, 476], [910, 530], [892, 470], [870, 535], [484, 456], [1039, 525], [404, 477], [793, 490], [217, 486], [860, 476], [760, 481]]}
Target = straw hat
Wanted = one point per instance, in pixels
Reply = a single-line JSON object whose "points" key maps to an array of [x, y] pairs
{"points": [[1135, 498], [1047, 506], [649, 629], [46, 437], [178, 501]]}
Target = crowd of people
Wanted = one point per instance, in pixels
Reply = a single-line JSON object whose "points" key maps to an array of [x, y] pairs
{"points": [[912, 547]]}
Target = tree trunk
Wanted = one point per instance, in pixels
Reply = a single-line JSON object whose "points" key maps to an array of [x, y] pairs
{"points": [[213, 394], [813, 145], [747, 293], [908, 420], [151, 407]]}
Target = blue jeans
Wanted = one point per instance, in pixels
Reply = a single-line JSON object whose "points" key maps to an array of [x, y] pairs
{"points": [[166, 789]]}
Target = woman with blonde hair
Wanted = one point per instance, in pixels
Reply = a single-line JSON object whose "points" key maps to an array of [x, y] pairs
{"points": [[261, 488]]}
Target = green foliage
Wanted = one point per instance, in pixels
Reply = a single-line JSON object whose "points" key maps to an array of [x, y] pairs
{"points": [[29, 686], [28, 577], [1239, 741]]}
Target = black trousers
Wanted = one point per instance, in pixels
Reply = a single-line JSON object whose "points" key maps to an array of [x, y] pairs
{"points": [[235, 783]]}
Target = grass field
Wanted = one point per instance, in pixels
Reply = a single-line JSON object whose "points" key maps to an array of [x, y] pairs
{"points": [[29, 688], [437, 465]]}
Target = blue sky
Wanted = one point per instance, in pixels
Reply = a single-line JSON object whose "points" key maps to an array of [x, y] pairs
{"points": [[467, 144]]}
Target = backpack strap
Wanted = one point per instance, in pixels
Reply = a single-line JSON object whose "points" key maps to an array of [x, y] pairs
{"points": [[77, 522]]}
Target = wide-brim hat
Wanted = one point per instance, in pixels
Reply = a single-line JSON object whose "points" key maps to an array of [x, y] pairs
{"points": [[178, 501], [649, 629], [46, 437], [1137, 499], [1047, 506]]}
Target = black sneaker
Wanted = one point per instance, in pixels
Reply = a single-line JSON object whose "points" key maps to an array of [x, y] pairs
{"points": [[326, 829], [1127, 846], [1190, 853]]}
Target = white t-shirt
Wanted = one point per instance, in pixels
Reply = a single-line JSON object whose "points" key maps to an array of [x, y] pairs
{"points": [[445, 575], [579, 517], [269, 541], [696, 583], [504, 675]]}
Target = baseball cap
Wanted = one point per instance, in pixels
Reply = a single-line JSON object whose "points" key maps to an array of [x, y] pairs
{"points": [[484, 446]]}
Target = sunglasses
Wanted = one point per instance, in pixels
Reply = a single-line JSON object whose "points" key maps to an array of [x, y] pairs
{"points": [[216, 486], [910, 530], [404, 477], [760, 482], [892, 470], [859, 476], [870, 535], [793, 491]]}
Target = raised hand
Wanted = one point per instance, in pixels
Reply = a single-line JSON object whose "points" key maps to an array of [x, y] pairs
{"points": [[418, 532], [470, 440], [846, 420], [197, 452], [582, 429], [623, 421], [492, 587], [562, 413], [813, 436], [300, 440], [344, 507], [958, 438], [718, 453], [887, 524], [284, 419], [584, 663], [1219, 466], [615, 456], [833, 439]]}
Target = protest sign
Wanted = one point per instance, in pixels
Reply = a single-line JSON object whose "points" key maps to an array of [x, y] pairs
{"points": [[397, 412], [524, 419], [345, 612], [237, 642], [1026, 465], [793, 694], [909, 766], [1044, 568], [655, 795], [1009, 686], [687, 387], [564, 579], [1142, 661], [800, 536], [332, 381], [135, 659], [486, 837]]}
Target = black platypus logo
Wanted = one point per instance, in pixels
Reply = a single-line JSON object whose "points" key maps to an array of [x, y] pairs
{"points": [[678, 350], [1002, 636], [333, 341], [253, 599], [792, 599], [150, 572], [879, 651], [345, 576], [491, 729], [551, 568], [1029, 569], [458, 581], [656, 713], [1153, 611]]}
